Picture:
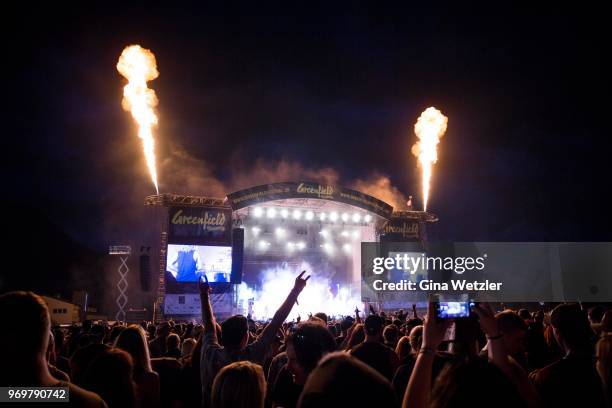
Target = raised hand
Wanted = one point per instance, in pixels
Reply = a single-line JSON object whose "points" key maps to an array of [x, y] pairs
{"points": [[300, 282], [204, 286], [486, 319], [434, 329]]}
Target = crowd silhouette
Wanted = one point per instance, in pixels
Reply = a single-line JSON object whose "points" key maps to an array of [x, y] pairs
{"points": [[558, 357]]}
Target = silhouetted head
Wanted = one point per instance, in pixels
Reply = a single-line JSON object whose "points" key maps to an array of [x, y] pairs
{"points": [[346, 323], [305, 347], [524, 314], [341, 380], [390, 334], [416, 338], [514, 329], [163, 330], [474, 383], [133, 340], [187, 347], [322, 316], [373, 325], [110, 376], [26, 322], [239, 385], [173, 341], [235, 332], [571, 326], [403, 348]]}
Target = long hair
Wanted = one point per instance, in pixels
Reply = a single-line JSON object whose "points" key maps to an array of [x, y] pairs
{"points": [[133, 340], [239, 385], [403, 348]]}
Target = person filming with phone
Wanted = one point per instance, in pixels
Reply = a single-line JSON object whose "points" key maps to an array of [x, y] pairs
{"points": [[475, 381]]}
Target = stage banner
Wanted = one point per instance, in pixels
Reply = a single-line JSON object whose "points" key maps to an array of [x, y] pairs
{"points": [[306, 189], [200, 225]]}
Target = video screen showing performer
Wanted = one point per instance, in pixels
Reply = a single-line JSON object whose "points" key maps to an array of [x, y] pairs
{"points": [[187, 263]]}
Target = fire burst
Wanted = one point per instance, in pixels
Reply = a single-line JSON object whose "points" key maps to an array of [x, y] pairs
{"points": [[429, 128], [138, 66]]}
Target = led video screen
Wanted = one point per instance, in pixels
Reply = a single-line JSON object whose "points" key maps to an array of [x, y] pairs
{"points": [[187, 263]]}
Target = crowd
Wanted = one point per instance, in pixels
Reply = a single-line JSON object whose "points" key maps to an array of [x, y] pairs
{"points": [[558, 358]]}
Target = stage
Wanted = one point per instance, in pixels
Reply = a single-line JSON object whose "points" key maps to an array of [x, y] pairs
{"points": [[252, 243]]}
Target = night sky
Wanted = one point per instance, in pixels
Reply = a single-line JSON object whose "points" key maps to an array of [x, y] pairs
{"points": [[249, 95]]}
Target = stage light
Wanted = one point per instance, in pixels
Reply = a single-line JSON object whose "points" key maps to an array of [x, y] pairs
{"points": [[344, 233], [355, 234], [271, 213], [333, 216], [280, 232], [367, 218], [263, 245], [301, 245], [345, 217], [290, 246], [256, 230], [346, 248], [328, 248], [309, 215], [297, 214], [356, 217], [324, 233], [258, 212], [322, 216], [284, 213]]}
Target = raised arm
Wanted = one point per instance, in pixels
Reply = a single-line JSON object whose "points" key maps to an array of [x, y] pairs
{"points": [[283, 311], [418, 391], [208, 318], [496, 347], [498, 354]]}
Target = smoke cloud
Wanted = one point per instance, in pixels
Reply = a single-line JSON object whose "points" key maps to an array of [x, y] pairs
{"points": [[184, 174], [379, 186]]}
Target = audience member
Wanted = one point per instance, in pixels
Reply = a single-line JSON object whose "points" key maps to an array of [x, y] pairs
{"points": [[373, 352], [133, 341], [239, 385], [557, 383], [24, 344]]}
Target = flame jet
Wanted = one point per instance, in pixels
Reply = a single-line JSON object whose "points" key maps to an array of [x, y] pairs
{"points": [[429, 128], [138, 66]]}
